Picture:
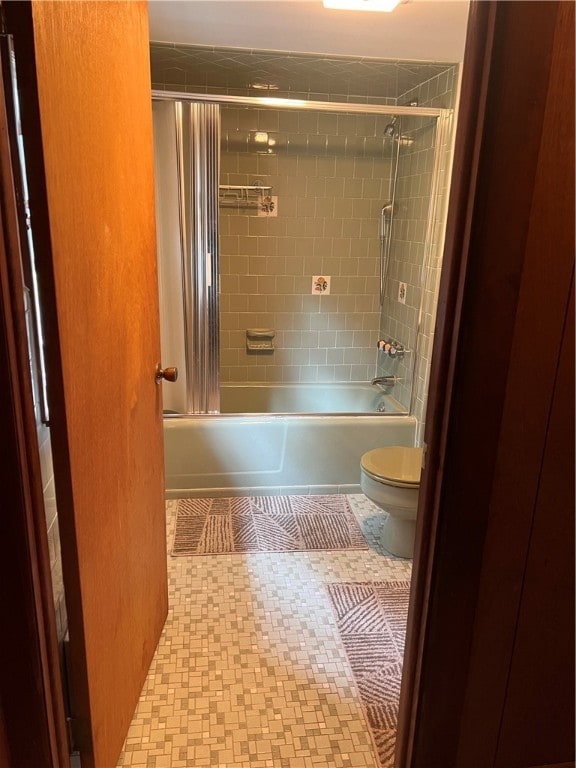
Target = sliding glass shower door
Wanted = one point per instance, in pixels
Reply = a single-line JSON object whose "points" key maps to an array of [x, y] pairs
{"points": [[186, 150], [317, 178]]}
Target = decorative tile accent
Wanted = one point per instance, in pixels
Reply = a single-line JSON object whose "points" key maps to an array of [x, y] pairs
{"points": [[265, 524], [321, 285], [250, 671], [371, 619]]}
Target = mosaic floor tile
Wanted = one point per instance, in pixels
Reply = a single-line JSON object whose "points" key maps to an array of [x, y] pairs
{"points": [[251, 671]]}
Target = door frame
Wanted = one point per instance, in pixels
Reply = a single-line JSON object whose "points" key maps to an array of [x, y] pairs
{"points": [[32, 718], [31, 625], [484, 456], [467, 145]]}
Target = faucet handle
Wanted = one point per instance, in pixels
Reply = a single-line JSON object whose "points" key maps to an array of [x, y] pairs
{"points": [[391, 347]]}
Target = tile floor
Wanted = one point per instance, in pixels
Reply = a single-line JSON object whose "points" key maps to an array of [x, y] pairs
{"points": [[250, 671]]}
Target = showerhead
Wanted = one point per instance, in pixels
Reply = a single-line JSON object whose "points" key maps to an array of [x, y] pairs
{"points": [[390, 129]]}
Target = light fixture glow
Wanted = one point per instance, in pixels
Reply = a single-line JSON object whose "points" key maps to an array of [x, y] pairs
{"points": [[363, 5], [271, 102], [261, 137], [264, 86]]}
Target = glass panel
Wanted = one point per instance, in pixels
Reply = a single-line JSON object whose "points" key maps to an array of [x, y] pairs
{"points": [[407, 254], [324, 178], [325, 236]]}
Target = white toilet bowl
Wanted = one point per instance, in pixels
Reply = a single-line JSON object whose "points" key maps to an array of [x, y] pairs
{"points": [[390, 477]]}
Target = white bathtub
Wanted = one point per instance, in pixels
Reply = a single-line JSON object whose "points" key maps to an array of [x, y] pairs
{"points": [[270, 454]]}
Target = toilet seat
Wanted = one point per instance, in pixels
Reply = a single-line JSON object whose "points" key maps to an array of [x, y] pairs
{"points": [[396, 465]]}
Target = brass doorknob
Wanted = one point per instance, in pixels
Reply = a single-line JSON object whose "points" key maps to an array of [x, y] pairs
{"points": [[168, 374]]}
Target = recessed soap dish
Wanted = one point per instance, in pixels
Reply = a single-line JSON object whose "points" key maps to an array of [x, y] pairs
{"points": [[260, 339]]}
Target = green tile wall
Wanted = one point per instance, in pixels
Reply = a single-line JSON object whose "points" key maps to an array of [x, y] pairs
{"points": [[331, 173]]}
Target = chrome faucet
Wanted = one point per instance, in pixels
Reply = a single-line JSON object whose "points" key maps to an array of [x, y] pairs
{"points": [[385, 381]]}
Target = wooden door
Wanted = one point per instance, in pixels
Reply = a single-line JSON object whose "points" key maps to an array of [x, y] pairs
{"points": [[87, 97]]}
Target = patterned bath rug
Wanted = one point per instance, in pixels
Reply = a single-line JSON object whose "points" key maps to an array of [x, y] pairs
{"points": [[265, 524], [371, 619]]}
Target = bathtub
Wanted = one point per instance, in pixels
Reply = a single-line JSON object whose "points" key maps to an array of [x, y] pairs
{"points": [[298, 452]]}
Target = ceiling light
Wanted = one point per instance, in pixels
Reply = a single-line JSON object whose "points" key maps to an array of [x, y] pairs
{"points": [[363, 5], [260, 137]]}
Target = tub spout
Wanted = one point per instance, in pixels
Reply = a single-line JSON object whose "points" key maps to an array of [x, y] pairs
{"points": [[385, 381]]}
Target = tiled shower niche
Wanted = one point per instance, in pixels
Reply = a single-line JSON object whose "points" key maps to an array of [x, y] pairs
{"points": [[330, 174]]}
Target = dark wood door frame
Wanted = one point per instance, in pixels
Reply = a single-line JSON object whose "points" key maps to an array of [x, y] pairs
{"points": [[498, 128], [474, 90], [503, 305], [32, 722]]}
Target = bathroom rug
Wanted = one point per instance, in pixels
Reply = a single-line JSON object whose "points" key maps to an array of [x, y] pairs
{"points": [[371, 620], [247, 524]]}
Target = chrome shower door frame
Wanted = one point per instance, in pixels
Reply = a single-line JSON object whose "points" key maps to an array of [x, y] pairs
{"points": [[200, 207], [434, 239]]}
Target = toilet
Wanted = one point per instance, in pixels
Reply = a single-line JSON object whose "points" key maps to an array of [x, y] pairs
{"points": [[390, 477]]}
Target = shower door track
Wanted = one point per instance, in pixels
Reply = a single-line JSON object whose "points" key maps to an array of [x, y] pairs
{"points": [[318, 106]]}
